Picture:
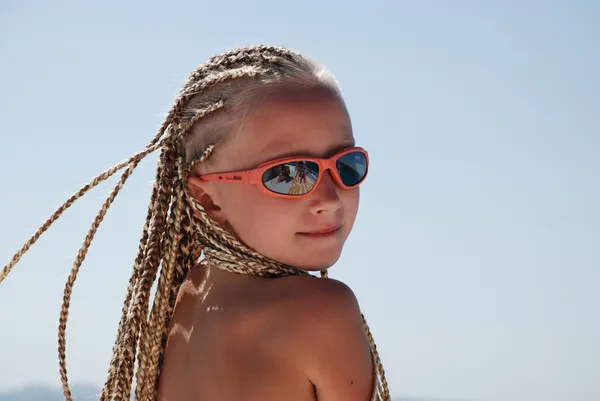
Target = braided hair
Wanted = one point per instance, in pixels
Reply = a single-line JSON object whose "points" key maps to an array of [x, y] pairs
{"points": [[177, 229]]}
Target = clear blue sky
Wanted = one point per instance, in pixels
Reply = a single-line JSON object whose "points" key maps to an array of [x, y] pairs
{"points": [[476, 254]]}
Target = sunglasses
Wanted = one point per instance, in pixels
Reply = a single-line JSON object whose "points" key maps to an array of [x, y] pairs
{"points": [[294, 177]]}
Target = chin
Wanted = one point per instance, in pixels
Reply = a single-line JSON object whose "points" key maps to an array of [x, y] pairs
{"points": [[316, 262], [309, 256]]}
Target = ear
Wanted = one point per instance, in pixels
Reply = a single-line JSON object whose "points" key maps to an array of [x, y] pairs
{"points": [[206, 195]]}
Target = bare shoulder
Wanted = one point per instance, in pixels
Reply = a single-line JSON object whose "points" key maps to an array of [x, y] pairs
{"points": [[330, 342], [315, 298], [317, 303]]}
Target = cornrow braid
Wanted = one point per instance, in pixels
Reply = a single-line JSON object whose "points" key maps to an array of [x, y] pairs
{"points": [[253, 55], [177, 229]]}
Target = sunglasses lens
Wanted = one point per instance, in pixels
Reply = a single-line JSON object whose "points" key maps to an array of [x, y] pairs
{"points": [[352, 168], [294, 178], [300, 177]]}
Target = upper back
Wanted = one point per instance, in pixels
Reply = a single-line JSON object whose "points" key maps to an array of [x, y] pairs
{"points": [[241, 340], [232, 343]]}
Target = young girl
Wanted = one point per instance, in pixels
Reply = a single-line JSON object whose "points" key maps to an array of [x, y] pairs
{"points": [[247, 321]]}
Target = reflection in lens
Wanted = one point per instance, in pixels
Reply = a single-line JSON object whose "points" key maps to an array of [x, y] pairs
{"points": [[293, 178], [352, 168]]}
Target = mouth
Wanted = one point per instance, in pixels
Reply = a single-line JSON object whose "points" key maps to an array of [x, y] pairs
{"points": [[322, 232]]}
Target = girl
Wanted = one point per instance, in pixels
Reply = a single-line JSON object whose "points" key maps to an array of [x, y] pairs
{"points": [[248, 321]]}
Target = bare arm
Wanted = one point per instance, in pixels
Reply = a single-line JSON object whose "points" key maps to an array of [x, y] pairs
{"points": [[336, 354]]}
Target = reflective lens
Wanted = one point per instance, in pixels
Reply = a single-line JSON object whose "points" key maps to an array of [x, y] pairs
{"points": [[300, 177], [294, 178], [352, 168]]}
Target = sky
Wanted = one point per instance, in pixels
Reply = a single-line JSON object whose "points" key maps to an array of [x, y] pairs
{"points": [[476, 252]]}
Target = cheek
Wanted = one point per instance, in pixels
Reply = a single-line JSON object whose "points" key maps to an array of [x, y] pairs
{"points": [[269, 224], [258, 218], [350, 201]]}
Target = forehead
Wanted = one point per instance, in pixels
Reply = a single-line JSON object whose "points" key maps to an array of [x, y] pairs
{"points": [[293, 121]]}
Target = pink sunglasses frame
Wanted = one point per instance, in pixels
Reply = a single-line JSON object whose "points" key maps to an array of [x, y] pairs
{"points": [[254, 176]]}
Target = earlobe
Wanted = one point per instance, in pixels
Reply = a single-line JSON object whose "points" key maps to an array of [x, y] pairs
{"points": [[200, 190]]}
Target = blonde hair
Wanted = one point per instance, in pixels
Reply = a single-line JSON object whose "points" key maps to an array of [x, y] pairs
{"points": [[216, 99]]}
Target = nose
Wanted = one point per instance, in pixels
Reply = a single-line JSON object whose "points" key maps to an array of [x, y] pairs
{"points": [[325, 198]]}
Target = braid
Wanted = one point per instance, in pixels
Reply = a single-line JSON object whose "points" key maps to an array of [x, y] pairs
{"points": [[218, 77], [108, 389], [64, 313], [176, 232], [227, 61], [252, 55], [156, 331], [137, 320]]}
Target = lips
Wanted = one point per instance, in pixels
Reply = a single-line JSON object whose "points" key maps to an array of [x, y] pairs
{"points": [[323, 231]]}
